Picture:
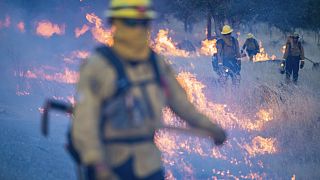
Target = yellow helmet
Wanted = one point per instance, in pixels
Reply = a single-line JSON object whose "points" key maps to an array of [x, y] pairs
{"points": [[132, 9], [226, 29], [296, 34], [250, 35]]}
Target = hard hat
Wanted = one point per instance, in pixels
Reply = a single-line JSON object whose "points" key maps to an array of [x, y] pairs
{"points": [[296, 34], [226, 29], [131, 9], [250, 35]]}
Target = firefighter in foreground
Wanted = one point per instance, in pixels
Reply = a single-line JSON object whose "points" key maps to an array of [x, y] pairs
{"points": [[121, 93], [251, 46], [228, 56], [294, 56]]}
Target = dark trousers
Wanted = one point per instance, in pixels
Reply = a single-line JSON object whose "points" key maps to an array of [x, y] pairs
{"points": [[126, 171], [292, 67], [233, 71], [233, 65]]}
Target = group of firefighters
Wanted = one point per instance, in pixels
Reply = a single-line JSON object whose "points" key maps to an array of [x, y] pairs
{"points": [[228, 57], [123, 89]]}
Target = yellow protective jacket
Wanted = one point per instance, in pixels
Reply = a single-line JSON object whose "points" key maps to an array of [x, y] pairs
{"points": [[293, 49], [228, 48], [251, 44], [97, 82]]}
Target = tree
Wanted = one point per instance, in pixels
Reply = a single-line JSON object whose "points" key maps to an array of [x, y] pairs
{"points": [[187, 11]]}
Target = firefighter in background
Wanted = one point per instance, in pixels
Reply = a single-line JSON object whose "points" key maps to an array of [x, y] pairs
{"points": [[115, 119], [228, 56], [251, 46], [294, 57]]}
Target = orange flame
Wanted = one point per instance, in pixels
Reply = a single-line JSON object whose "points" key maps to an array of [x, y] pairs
{"points": [[265, 115], [47, 29], [261, 145], [30, 75], [67, 76], [80, 31], [20, 92], [99, 33], [6, 22], [21, 27], [208, 47], [165, 45], [263, 55], [76, 55]]}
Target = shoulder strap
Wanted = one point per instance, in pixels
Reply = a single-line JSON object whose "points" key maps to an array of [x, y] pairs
{"points": [[155, 65], [123, 82], [300, 45], [234, 44], [222, 43], [256, 43]]}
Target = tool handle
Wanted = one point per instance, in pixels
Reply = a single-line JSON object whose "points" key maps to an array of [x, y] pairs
{"points": [[52, 104], [309, 60]]}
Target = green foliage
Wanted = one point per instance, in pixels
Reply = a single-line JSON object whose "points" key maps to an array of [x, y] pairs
{"points": [[286, 15], [313, 15]]}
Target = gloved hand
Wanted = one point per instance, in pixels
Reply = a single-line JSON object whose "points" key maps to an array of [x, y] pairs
{"points": [[102, 172], [219, 135], [301, 64]]}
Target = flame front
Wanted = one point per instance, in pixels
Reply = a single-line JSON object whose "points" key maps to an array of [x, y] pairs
{"points": [[21, 26], [6, 23], [263, 55], [174, 145], [47, 29], [261, 145], [99, 33], [209, 47], [80, 31], [67, 76], [163, 44]]}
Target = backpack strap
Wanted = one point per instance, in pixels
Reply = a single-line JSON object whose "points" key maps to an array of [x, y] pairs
{"points": [[256, 44], [233, 43], [122, 82], [155, 65], [299, 46]]}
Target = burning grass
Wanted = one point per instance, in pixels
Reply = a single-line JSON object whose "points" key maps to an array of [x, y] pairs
{"points": [[46, 29], [266, 122], [271, 126]]}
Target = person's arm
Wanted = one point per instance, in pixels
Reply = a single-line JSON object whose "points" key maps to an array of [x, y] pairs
{"points": [[245, 44], [219, 52], [179, 103], [302, 53], [91, 92], [237, 49], [301, 57], [257, 46]]}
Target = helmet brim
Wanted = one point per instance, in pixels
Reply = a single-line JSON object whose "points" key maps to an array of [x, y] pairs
{"points": [[130, 14], [227, 32]]}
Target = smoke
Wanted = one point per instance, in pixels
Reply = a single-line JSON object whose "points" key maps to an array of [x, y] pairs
{"points": [[294, 110]]}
